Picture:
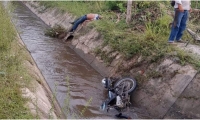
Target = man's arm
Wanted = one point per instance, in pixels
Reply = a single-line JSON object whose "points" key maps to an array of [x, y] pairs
{"points": [[180, 8], [179, 5], [86, 21]]}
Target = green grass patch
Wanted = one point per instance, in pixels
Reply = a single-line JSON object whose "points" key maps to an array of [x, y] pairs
{"points": [[186, 58], [13, 75], [84, 7]]}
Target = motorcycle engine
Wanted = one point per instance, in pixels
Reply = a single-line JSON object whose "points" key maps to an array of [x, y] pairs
{"points": [[119, 102]]}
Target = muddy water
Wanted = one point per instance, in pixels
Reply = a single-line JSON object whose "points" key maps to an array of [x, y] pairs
{"points": [[82, 93]]}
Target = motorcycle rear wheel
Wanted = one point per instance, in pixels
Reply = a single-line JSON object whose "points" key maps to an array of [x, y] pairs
{"points": [[123, 81]]}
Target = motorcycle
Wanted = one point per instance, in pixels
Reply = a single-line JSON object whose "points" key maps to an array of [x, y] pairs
{"points": [[118, 94]]}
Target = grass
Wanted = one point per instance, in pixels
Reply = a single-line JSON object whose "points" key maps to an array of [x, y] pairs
{"points": [[84, 6], [13, 75]]}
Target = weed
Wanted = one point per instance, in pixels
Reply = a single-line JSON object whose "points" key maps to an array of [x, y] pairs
{"points": [[55, 31], [14, 78], [97, 51], [154, 74]]}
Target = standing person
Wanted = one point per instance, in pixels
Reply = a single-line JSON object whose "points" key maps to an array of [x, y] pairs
{"points": [[182, 8], [83, 19]]}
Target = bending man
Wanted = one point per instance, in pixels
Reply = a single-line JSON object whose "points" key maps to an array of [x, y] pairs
{"points": [[85, 18]]}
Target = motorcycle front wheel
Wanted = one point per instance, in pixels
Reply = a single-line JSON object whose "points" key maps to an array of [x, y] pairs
{"points": [[128, 85]]}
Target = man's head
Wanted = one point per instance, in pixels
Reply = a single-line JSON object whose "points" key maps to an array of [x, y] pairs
{"points": [[100, 17]]}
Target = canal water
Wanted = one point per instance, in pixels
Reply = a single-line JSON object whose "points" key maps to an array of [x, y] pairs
{"points": [[76, 85]]}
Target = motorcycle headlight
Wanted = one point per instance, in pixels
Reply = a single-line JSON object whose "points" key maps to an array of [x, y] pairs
{"points": [[103, 81], [106, 82]]}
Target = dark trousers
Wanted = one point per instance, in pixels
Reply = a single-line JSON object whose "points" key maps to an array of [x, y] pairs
{"points": [[77, 22], [179, 25]]}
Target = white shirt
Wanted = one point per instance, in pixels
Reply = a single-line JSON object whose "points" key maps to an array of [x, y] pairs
{"points": [[96, 17], [185, 4]]}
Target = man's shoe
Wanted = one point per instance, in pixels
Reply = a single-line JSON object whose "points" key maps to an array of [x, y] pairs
{"points": [[71, 32], [180, 41], [71, 23], [171, 42]]}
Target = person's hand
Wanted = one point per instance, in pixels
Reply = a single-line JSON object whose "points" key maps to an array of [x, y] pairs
{"points": [[84, 23], [190, 10], [180, 8]]}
